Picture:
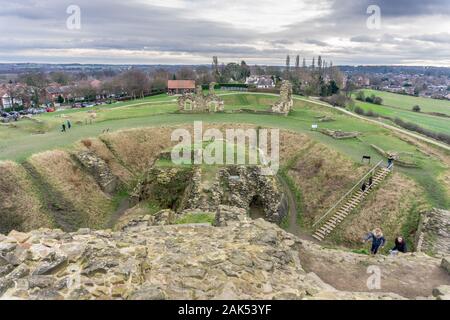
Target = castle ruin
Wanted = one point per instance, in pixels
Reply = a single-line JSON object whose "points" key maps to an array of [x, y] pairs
{"points": [[198, 102], [285, 104]]}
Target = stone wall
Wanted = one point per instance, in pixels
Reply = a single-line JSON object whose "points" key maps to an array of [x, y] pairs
{"points": [[244, 260], [198, 102], [99, 169], [434, 233], [243, 183], [285, 104], [166, 186], [237, 186]]}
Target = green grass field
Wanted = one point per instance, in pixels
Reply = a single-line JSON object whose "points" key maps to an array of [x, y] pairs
{"points": [[20, 141], [405, 102], [430, 122], [400, 106]]}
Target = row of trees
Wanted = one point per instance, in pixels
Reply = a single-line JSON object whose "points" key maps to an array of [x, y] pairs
{"points": [[319, 78]]}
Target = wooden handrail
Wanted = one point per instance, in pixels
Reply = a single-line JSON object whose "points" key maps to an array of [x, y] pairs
{"points": [[348, 193]]}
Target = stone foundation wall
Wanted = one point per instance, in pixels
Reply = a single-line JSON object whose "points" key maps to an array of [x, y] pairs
{"points": [[434, 233], [99, 169], [243, 183]]}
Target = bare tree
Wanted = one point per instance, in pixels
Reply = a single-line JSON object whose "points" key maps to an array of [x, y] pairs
{"points": [[136, 83], [186, 73], [159, 79], [37, 81]]}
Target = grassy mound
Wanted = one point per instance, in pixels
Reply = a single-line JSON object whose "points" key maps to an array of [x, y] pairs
{"points": [[20, 207]]}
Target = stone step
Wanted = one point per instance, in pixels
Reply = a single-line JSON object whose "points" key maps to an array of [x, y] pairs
{"points": [[351, 204], [330, 224], [337, 219], [315, 236], [341, 215], [321, 232], [326, 228]]}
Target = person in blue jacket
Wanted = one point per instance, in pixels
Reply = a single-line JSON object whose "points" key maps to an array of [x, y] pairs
{"points": [[377, 238]]}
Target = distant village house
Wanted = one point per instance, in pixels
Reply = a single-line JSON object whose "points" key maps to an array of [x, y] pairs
{"points": [[260, 82], [180, 86]]}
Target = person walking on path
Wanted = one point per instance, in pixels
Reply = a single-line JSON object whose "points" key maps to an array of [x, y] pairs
{"points": [[377, 238], [390, 162], [370, 181], [69, 125], [63, 127], [363, 187]]}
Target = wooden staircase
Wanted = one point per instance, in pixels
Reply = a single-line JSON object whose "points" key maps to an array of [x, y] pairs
{"points": [[354, 199]]}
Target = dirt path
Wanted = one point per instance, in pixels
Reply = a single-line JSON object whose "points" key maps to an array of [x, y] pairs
{"points": [[293, 226], [116, 215], [409, 275]]}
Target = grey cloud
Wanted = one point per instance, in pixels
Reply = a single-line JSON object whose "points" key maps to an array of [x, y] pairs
{"points": [[436, 37], [139, 26], [316, 42]]}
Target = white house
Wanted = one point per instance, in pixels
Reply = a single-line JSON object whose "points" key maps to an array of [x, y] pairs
{"points": [[7, 102], [261, 82]]}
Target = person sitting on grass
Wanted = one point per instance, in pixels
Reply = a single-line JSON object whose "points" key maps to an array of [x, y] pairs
{"points": [[377, 238], [400, 246]]}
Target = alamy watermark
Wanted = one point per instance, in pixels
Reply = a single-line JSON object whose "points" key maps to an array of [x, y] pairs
{"points": [[374, 280], [374, 20], [73, 22], [237, 147]]}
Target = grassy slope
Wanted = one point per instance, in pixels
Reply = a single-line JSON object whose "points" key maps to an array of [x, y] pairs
{"points": [[20, 205], [300, 120], [79, 189], [407, 102], [430, 122], [154, 113]]}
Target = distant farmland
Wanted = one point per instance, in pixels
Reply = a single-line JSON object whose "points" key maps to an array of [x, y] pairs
{"points": [[400, 106], [407, 102]]}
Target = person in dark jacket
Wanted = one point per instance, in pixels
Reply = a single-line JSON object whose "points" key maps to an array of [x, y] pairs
{"points": [[370, 181], [63, 127], [390, 162], [400, 245], [377, 238], [363, 187], [69, 124]]}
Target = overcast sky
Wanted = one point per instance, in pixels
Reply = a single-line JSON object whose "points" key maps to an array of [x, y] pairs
{"points": [[412, 32]]}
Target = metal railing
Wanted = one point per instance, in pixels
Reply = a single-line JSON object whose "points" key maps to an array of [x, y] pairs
{"points": [[357, 185]]}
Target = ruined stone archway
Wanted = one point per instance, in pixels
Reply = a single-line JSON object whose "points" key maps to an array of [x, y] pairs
{"points": [[256, 207], [213, 106], [188, 105]]}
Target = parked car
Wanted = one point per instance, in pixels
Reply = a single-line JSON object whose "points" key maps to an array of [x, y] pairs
{"points": [[50, 109], [6, 117], [15, 115]]}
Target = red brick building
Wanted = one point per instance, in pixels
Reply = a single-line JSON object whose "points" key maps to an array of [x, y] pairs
{"points": [[180, 86]]}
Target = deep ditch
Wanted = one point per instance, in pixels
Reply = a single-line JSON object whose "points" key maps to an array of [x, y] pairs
{"points": [[62, 211]]}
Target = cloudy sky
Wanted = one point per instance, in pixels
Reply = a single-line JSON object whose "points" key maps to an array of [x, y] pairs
{"points": [[412, 32]]}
